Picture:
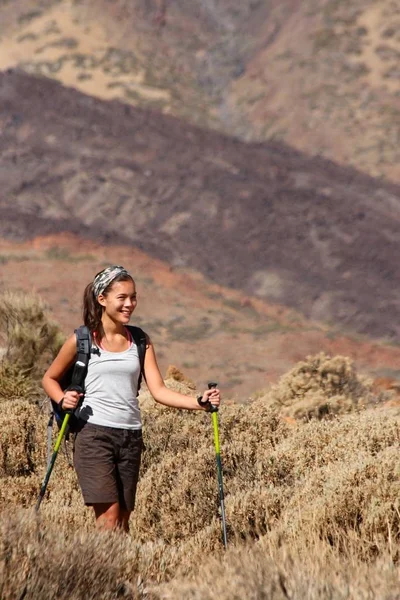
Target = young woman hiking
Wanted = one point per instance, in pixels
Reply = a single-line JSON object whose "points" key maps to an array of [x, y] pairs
{"points": [[108, 442]]}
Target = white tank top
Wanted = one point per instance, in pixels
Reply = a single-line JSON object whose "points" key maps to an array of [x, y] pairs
{"points": [[111, 389]]}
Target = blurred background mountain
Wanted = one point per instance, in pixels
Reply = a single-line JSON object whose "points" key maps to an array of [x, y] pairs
{"points": [[321, 75], [254, 144]]}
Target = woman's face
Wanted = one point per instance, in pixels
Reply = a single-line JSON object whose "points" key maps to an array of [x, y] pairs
{"points": [[120, 301]]}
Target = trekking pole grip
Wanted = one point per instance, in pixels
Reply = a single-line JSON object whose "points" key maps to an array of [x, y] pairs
{"points": [[73, 388], [213, 385]]}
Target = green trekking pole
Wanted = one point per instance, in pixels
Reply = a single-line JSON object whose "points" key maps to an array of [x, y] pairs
{"points": [[214, 411], [52, 460], [77, 376]]}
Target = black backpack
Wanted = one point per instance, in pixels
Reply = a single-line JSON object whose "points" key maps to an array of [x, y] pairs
{"points": [[74, 378]]}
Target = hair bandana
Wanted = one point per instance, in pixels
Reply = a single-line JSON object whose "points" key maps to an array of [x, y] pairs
{"points": [[105, 277]]}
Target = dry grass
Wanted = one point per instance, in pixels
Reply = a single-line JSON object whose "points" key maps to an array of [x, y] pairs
{"points": [[20, 447], [176, 374], [38, 562], [30, 338], [312, 508], [321, 386], [262, 571], [15, 383]]}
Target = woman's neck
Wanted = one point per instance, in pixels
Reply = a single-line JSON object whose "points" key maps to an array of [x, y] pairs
{"points": [[112, 328], [116, 337]]}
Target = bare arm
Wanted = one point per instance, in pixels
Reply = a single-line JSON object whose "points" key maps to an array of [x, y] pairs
{"points": [[168, 397], [50, 382]]}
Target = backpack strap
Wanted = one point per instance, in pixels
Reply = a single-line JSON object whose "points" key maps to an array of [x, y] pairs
{"points": [[140, 339], [74, 379], [83, 351]]}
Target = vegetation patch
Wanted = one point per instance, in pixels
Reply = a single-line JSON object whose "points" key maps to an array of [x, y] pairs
{"points": [[321, 385], [29, 16], [30, 339], [304, 500]]}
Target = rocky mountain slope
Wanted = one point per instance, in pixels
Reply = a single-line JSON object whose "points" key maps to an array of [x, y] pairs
{"points": [[328, 83], [207, 331], [260, 217], [321, 75]]}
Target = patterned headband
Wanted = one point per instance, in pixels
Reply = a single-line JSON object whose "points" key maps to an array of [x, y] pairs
{"points": [[107, 276]]}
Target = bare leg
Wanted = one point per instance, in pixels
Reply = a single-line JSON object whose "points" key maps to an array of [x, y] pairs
{"points": [[108, 516], [124, 519]]}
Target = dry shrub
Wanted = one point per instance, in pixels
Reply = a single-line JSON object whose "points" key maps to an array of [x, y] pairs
{"points": [[254, 511], [19, 491], [175, 500], [194, 550], [176, 374], [20, 447], [40, 559], [171, 432], [147, 402], [260, 572], [38, 562], [173, 497], [249, 436], [15, 384], [353, 503], [270, 470], [32, 340], [333, 480], [267, 466], [319, 386], [63, 502], [179, 468], [23, 455]]}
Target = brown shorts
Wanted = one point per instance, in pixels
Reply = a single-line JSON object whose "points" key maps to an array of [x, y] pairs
{"points": [[107, 462]]}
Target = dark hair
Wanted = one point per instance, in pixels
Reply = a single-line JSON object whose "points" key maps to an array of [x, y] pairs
{"points": [[93, 310]]}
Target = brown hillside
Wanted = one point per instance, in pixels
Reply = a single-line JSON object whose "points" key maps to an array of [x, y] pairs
{"points": [[259, 217], [321, 75], [328, 83], [207, 331], [108, 50]]}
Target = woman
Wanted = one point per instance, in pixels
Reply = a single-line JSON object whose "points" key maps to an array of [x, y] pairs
{"points": [[108, 442]]}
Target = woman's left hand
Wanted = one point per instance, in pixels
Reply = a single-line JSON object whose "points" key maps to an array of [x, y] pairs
{"points": [[213, 396]]}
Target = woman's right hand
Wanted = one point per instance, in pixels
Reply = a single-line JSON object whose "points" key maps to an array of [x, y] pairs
{"points": [[71, 399]]}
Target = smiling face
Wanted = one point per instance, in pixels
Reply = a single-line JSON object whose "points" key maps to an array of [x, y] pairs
{"points": [[119, 301]]}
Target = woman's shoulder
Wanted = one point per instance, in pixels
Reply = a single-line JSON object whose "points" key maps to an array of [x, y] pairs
{"points": [[71, 339], [68, 349], [79, 333]]}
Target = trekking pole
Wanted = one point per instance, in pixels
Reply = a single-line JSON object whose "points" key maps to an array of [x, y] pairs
{"points": [[78, 373], [52, 460], [214, 411]]}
